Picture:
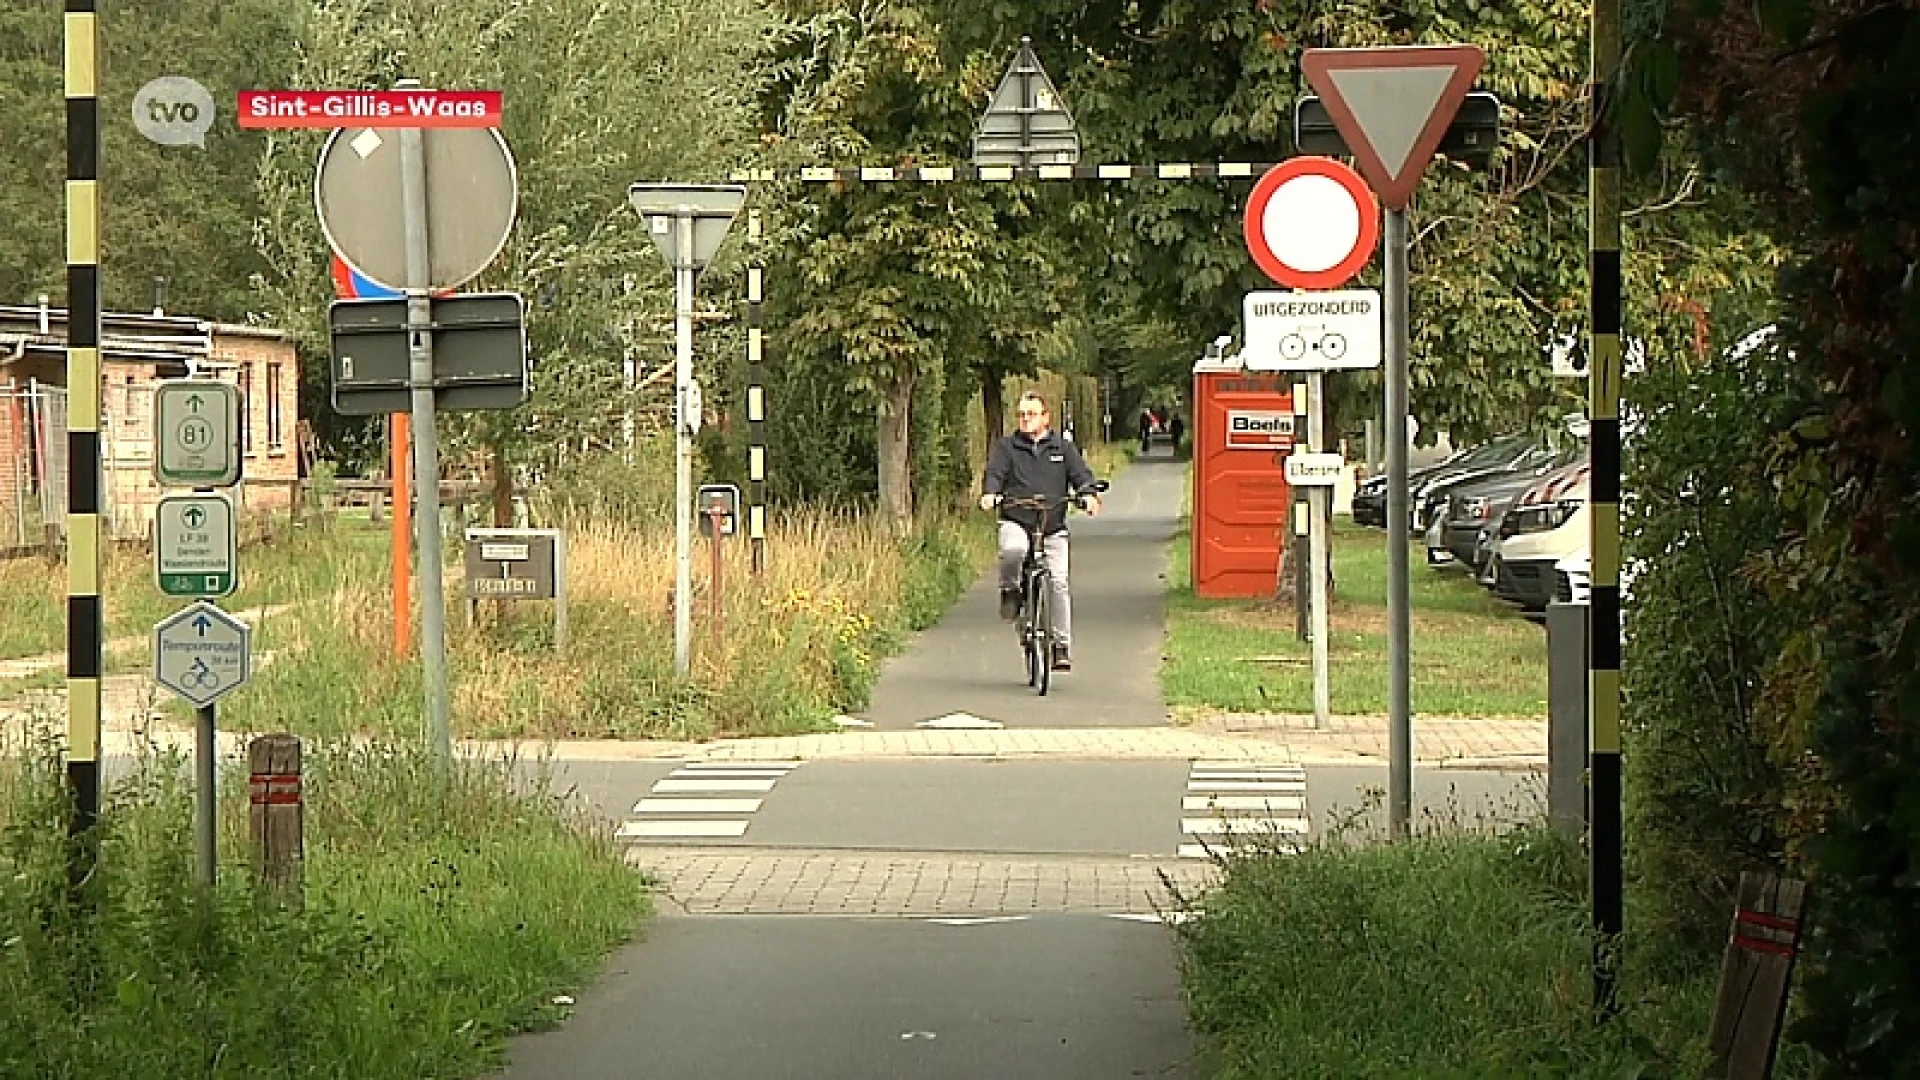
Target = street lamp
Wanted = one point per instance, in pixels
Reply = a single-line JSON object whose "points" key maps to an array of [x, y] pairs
{"points": [[688, 223]]}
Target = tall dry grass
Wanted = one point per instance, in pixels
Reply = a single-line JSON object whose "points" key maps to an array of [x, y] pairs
{"points": [[801, 642]]}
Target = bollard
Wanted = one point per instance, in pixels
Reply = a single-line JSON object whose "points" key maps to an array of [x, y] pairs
{"points": [[276, 819], [1567, 719]]}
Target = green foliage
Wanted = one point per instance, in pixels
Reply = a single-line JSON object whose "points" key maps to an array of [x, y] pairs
{"points": [[1713, 769], [1457, 956], [439, 919], [1808, 110]]}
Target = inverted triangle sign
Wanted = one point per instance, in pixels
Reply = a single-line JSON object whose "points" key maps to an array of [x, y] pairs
{"points": [[1392, 106]]}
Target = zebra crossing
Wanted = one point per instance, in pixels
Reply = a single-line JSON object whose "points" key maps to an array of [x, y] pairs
{"points": [[1231, 802], [704, 800]]}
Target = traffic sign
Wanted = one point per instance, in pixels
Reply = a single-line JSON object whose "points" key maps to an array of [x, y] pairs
{"points": [[1314, 470], [1317, 331], [202, 653], [1026, 122], [1311, 223], [479, 354], [708, 209], [196, 426], [196, 550], [471, 198], [1393, 106]]}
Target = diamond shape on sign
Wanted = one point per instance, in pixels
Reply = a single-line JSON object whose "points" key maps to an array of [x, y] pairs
{"points": [[366, 143]]}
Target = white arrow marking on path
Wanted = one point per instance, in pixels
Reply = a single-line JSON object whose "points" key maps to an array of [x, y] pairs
{"points": [[960, 721]]}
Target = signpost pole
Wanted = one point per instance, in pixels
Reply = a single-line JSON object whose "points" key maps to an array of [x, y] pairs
{"points": [[683, 276], [1399, 620], [204, 780], [1317, 549], [426, 451], [402, 534]]}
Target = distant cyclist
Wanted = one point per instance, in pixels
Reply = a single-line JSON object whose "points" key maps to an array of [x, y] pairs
{"points": [[1034, 461]]}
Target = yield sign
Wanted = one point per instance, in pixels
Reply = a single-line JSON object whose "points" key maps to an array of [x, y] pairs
{"points": [[1393, 105]]}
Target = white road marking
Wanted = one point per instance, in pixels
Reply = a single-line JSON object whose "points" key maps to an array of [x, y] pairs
{"points": [[671, 786], [662, 829], [696, 806], [959, 721], [726, 774], [981, 920], [1244, 802], [1241, 826], [1275, 786]]}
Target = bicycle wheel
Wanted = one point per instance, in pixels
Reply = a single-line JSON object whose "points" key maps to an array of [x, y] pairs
{"points": [[1032, 630], [1040, 657]]}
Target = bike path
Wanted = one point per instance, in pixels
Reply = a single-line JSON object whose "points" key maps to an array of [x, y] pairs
{"points": [[969, 662]]}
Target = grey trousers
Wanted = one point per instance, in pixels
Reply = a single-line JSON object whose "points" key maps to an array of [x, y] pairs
{"points": [[1013, 550]]}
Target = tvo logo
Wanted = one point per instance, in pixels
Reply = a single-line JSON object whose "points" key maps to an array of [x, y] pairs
{"points": [[174, 111]]}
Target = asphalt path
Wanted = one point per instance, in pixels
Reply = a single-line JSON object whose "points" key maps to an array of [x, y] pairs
{"points": [[1061, 997], [970, 663]]}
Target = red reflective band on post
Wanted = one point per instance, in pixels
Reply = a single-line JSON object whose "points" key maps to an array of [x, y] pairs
{"points": [[1741, 941], [1762, 922], [273, 789], [1771, 922]]}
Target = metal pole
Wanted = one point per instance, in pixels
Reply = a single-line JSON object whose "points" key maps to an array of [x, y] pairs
{"points": [[1317, 550], [426, 450], [1607, 849], [204, 862], [401, 537], [683, 275], [1399, 615], [756, 401], [719, 568], [85, 618], [1302, 525]]}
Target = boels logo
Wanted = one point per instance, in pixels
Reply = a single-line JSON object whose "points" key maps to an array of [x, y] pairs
{"points": [[1259, 430]]}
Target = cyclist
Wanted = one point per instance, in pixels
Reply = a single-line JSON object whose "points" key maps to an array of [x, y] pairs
{"points": [[1034, 461]]}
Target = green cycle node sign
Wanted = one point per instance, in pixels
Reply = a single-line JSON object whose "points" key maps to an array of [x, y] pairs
{"points": [[196, 433], [195, 546]]}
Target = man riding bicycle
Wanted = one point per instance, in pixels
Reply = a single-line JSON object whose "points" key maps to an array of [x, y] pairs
{"points": [[1034, 461]]}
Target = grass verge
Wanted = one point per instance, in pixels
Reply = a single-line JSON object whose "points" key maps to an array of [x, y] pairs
{"points": [[440, 917], [1471, 656], [1450, 955]]}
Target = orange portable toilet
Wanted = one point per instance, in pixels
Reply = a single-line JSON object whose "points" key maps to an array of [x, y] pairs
{"points": [[1242, 432]]}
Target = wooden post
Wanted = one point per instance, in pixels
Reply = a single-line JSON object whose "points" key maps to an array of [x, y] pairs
{"points": [[276, 818], [1755, 975]]}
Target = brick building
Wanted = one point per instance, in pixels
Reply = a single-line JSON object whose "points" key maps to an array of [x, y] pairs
{"points": [[136, 352]]}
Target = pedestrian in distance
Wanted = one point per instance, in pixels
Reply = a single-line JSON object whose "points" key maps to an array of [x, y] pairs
{"points": [[1176, 427], [1036, 461], [1146, 431]]}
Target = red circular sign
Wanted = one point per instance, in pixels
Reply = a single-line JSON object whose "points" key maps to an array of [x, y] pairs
{"points": [[1311, 223]]}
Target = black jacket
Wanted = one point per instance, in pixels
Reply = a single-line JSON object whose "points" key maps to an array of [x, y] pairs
{"points": [[1020, 467]]}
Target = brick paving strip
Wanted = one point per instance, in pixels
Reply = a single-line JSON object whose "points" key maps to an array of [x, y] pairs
{"points": [[801, 881]]}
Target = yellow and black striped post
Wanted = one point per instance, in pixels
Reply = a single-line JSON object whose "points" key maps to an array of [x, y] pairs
{"points": [[756, 399], [1606, 844], [84, 630]]}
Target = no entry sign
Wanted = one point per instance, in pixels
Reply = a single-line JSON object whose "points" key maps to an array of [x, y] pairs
{"points": [[1311, 223]]}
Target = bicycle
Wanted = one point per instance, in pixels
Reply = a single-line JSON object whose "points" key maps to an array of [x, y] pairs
{"points": [[1033, 628]]}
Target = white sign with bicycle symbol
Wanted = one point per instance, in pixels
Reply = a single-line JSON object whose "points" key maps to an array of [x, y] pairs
{"points": [[202, 653], [1312, 331]]}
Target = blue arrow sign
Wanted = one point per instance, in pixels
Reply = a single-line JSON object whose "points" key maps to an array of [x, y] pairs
{"points": [[200, 623]]}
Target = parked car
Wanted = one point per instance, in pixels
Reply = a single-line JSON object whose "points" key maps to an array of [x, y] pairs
{"points": [[1536, 536], [1472, 504], [1370, 497], [1508, 453]]}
